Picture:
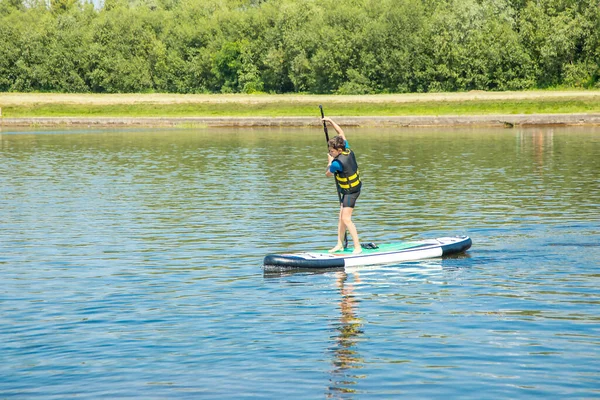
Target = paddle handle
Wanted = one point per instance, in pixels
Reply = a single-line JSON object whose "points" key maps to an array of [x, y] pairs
{"points": [[324, 123]]}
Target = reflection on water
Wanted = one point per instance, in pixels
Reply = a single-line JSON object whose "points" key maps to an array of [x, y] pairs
{"points": [[542, 143], [346, 358]]}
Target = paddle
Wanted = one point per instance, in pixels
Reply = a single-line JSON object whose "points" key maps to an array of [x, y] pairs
{"points": [[338, 192], [324, 126]]}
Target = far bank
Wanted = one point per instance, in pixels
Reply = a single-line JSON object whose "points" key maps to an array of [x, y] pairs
{"points": [[426, 109], [507, 121]]}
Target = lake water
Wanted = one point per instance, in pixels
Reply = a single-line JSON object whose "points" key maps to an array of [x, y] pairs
{"points": [[131, 265]]}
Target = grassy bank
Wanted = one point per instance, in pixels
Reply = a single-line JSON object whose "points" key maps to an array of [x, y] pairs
{"points": [[156, 105]]}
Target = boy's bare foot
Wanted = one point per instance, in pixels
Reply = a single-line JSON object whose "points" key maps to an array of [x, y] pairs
{"points": [[338, 247], [357, 250]]}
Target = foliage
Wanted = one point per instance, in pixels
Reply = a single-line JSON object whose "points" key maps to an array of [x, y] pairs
{"points": [[284, 46]]}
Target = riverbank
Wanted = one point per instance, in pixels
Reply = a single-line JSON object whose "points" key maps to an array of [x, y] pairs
{"points": [[507, 121], [428, 109]]}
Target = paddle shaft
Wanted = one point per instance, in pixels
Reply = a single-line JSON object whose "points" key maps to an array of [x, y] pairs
{"points": [[324, 126], [336, 189]]}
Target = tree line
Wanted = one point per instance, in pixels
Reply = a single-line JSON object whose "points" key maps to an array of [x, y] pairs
{"points": [[298, 46]]}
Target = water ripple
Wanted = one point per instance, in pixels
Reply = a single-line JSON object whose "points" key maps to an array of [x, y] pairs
{"points": [[131, 265]]}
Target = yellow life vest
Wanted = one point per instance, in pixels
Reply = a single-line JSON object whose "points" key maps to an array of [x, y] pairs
{"points": [[348, 180]]}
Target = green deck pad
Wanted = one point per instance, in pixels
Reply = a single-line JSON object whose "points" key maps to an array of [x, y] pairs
{"points": [[384, 248]]}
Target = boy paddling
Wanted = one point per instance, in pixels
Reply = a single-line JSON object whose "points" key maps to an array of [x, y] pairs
{"points": [[342, 164]]}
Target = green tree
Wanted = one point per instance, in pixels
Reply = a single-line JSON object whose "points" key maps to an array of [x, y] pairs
{"points": [[123, 40], [8, 6], [554, 32], [61, 6], [313, 46]]}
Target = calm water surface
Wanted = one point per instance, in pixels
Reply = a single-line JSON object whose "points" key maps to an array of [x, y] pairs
{"points": [[130, 265]]}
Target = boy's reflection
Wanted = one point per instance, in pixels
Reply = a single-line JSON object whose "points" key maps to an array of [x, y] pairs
{"points": [[346, 357]]}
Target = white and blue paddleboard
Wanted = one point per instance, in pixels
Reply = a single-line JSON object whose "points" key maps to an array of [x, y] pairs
{"points": [[381, 254]]}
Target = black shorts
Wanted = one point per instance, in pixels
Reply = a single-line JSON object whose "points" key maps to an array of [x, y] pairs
{"points": [[349, 200]]}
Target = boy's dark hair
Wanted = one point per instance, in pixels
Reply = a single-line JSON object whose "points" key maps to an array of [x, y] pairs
{"points": [[337, 143]]}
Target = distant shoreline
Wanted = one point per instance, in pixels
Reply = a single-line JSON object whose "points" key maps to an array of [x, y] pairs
{"points": [[507, 121], [476, 108]]}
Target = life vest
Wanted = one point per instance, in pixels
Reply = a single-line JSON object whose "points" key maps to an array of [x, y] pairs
{"points": [[348, 181]]}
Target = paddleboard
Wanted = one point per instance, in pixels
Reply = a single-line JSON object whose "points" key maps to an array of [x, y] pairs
{"points": [[381, 254]]}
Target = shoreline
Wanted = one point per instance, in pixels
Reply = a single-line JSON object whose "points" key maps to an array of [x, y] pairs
{"points": [[467, 109], [508, 121]]}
